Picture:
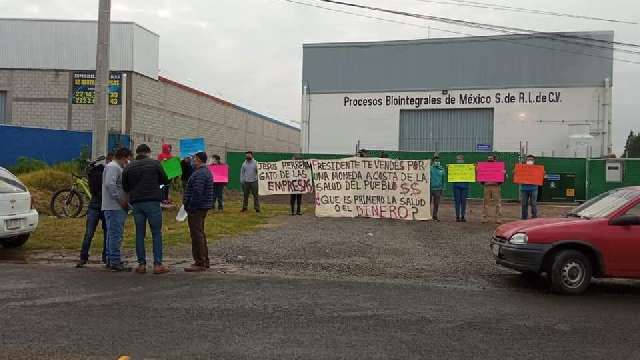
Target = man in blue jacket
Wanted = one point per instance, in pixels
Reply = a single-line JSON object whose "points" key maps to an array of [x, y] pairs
{"points": [[197, 200], [436, 186]]}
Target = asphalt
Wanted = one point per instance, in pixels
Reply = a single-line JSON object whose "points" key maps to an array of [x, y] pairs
{"points": [[58, 312]]}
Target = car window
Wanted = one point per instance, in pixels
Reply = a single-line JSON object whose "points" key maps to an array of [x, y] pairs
{"points": [[634, 210], [9, 183], [605, 204]]}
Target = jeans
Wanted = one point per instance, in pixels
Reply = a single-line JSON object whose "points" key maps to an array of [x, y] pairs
{"points": [[435, 201], [143, 212], [94, 216], [115, 220], [529, 197], [460, 198], [218, 196], [199, 246], [250, 188], [296, 202]]}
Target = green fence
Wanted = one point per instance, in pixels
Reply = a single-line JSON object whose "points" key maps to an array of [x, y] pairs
{"points": [[553, 165], [597, 176]]}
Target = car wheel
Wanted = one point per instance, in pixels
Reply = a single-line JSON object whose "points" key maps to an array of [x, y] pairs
{"points": [[14, 242], [570, 273]]}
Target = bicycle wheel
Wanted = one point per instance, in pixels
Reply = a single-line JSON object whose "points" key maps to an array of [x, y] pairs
{"points": [[66, 203]]}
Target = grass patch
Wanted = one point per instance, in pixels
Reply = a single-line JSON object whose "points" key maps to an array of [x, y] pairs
{"points": [[67, 234]]}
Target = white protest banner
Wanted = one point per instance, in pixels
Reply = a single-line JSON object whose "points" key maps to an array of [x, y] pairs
{"points": [[372, 187], [284, 177]]}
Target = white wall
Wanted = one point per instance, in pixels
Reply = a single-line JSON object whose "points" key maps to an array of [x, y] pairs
{"points": [[335, 127]]}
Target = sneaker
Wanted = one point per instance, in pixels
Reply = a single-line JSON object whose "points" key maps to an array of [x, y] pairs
{"points": [[435, 218], [299, 213], [141, 269], [463, 220], [257, 210], [81, 264], [120, 268], [457, 219], [195, 268], [243, 210], [160, 269], [498, 221]]}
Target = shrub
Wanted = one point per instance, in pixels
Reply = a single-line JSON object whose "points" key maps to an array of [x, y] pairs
{"points": [[25, 165], [47, 180]]}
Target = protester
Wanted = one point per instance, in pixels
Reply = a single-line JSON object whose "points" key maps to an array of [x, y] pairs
{"points": [[529, 195], [460, 194], [492, 194], [166, 189], [187, 170], [95, 214], [142, 180], [436, 186], [218, 188], [115, 207], [198, 199], [249, 182], [296, 199]]}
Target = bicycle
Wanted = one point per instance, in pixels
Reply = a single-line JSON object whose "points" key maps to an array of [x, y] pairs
{"points": [[73, 202]]}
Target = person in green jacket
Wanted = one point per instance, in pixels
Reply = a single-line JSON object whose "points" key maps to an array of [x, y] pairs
{"points": [[437, 185]]}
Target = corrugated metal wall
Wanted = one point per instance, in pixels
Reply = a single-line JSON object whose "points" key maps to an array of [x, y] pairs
{"points": [[445, 129]]}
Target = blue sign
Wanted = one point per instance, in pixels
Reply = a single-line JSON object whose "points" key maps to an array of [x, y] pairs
{"points": [[483, 147], [552, 177], [188, 147]]}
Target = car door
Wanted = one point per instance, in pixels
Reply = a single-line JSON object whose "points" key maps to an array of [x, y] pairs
{"points": [[624, 245]]}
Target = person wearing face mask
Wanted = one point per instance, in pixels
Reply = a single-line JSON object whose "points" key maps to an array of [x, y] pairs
{"points": [[436, 185], [460, 194], [492, 194], [529, 195], [249, 182]]}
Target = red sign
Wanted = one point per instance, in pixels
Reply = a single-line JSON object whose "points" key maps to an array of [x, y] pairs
{"points": [[529, 174], [220, 173]]}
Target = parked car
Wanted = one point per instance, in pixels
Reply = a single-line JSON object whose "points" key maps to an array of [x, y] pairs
{"points": [[600, 238], [18, 218]]}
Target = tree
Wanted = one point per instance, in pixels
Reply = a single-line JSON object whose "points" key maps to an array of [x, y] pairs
{"points": [[632, 146]]}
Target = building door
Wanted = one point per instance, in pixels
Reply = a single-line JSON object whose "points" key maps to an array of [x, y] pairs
{"points": [[441, 130], [3, 107]]}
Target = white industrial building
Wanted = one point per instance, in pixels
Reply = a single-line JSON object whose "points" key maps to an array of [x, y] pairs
{"points": [[548, 94]]}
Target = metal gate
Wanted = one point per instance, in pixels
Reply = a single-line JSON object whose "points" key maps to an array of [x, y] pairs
{"points": [[461, 130]]}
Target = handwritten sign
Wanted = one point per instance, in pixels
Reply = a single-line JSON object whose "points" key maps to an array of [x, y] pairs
{"points": [[461, 173], [284, 177], [172, 167], [490, 172], [189, 147], [220, 173], [529, 174], [371, 187]]}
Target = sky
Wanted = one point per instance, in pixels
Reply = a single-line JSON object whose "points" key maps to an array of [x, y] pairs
{"points": [[250, 51]]}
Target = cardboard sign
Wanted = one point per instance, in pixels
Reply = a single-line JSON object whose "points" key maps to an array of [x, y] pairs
{"points": [[220, 173], [188, 147], [284, 177], [172, 167], [461, 173], [372, 187], [490, 172], [529, 174]]}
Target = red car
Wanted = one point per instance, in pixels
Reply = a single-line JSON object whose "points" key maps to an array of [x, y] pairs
{"points": [[600, 238]]}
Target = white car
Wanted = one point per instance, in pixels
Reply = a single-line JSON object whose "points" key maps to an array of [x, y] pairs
{"points": [[18, 219]]}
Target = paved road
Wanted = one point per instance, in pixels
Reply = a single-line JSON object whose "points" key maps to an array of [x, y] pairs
{"points": [[57, 312]]}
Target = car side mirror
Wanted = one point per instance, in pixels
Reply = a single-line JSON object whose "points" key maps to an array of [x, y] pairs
{"points": [[625, 220]]}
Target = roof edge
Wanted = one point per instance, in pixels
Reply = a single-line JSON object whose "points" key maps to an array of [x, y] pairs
{"points": [[79, 21]]}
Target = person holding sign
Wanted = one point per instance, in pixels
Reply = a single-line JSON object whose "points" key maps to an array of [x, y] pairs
{"points": [[296, 199], [460, 193], [436, 185], [249, 182], [529, 183], [491, 176], [142, 180], [218, 187], [166, 155], [197, 200]]}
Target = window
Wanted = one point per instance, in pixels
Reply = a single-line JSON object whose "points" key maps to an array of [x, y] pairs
{"points": [[9, 183], [604, 204]]}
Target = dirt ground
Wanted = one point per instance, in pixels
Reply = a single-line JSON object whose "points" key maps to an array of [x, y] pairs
{"points": [[338, 247]]}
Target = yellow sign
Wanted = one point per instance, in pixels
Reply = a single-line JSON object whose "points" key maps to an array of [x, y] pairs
{"points": [[571, 192], [461, 173]]}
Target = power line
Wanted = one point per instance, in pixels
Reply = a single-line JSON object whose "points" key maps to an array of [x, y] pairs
{"points": [[493, 6], [504, 29], [459, 32]]}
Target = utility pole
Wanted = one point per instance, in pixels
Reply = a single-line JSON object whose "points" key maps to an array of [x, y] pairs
{"points": [[100, 129]]}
